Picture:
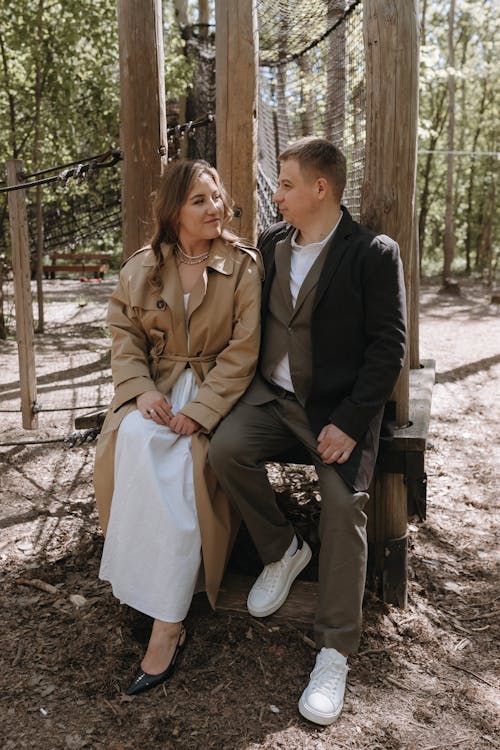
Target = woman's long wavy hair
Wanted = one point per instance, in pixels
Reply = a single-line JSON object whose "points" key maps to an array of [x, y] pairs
{"points": [[175, 185]]}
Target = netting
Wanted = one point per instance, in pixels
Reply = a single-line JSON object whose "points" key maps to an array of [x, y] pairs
{"points": [[79, 214], [311, 82]]}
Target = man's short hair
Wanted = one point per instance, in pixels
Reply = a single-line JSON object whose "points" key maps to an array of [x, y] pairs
{"points": [[318, 157]]}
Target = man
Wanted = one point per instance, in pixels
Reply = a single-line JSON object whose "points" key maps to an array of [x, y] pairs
{"points": [[333, 344]]}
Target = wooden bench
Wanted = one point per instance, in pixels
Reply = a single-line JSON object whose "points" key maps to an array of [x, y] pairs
{"points": [[403, 454], [82, 263]]}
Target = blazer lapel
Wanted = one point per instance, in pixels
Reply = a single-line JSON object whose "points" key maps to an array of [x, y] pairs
{"points": [[311, 280], [282, 261], [335, 251]]}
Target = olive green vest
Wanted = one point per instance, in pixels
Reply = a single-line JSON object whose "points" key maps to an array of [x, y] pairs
{"points": [[288, 329]]}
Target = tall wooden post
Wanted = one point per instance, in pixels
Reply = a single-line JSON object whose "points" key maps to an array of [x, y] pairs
{"points": [[21, 267], [391, 34], [236, 65], [142, 115]]}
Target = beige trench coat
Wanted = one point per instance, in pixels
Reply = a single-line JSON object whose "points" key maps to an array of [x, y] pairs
{"points": [[150, 350]]}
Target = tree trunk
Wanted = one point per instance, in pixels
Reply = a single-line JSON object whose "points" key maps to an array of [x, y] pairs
{"points": [[449, 223], [181, 16], [36, 163], [335, 76], [425, 195], [203, 18], [282, 113], [470, 187], [306, 96]]}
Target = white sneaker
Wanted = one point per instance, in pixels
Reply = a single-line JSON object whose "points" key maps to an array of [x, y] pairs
{"points": [[323, 698], [271, 588]]}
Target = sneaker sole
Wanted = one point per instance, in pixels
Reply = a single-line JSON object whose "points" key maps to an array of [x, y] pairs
{"points": [[294, 572], [310, 715]]}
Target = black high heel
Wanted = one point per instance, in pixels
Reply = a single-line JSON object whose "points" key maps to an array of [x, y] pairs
{"points": [[144, 681]]}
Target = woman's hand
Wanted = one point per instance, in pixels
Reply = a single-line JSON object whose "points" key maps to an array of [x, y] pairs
{"points": [[183, 425], [154, 405]]}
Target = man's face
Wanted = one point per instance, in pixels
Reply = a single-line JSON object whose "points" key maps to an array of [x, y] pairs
{"points": [[296, 195]]}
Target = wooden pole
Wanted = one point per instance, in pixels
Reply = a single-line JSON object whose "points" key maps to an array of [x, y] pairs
{"points": [[22, 295], [391, 33], [142, 115], [3, 327], [40, 250], [236, 65]]}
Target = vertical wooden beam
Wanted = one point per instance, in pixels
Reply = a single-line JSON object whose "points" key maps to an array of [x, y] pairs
{"points": [[236, 65], [3, 275], [21, 267], [391, 33], [142, 115]]}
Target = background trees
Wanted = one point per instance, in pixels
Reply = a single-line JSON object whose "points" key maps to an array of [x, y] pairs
{"points": [[472, 152], [59, 101]]}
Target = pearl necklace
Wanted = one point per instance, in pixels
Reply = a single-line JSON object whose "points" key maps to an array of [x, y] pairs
{"points": [[190, 260]]}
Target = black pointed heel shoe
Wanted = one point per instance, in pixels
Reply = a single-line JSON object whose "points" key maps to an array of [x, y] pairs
{"points": [[144, 681]]}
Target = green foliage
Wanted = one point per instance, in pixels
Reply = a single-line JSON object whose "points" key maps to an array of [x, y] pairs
{"points": [[59, 93], [477, 113]]}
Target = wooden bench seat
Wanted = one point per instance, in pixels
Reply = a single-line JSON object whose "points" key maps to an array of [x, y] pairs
{"points": [[85, 264]]}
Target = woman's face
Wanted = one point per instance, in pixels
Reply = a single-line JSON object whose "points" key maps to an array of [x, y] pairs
{"points": [[200, 217]]}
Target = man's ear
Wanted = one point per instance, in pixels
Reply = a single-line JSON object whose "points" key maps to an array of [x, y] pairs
{"points": [[322, 188]]}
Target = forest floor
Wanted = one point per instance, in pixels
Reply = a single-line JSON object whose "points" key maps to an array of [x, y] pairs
{"points": [[425, 678]]}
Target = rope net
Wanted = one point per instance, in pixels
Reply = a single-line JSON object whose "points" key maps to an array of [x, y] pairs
{"points": [[311, 82]]}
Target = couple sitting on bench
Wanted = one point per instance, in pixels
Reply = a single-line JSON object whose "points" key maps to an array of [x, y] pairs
{"points": [[197, 412]]}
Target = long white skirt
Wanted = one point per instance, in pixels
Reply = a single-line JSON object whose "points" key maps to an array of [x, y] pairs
{"points": [[152, 550]]}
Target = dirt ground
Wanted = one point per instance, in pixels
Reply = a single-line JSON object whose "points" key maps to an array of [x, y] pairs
{"points": [[425, 678]]}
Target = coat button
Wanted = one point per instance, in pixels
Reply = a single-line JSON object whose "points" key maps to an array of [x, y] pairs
{"points": [[160, 304]]}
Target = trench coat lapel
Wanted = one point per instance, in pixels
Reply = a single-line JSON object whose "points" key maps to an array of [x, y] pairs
{"points": [[171, 291]]}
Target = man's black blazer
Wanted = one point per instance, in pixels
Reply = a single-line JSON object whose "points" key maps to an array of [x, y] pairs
{"points": [[358, 336]]}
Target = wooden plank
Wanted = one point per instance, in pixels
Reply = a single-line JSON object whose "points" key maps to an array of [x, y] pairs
{"points": [[104, 257], [142, 115], [21, 266], [300, 606], [89, 421], [236, 108], [74, 268], [414, 437]]}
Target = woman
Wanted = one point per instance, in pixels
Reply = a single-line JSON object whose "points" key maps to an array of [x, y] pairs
{"points": [[184, 322]]}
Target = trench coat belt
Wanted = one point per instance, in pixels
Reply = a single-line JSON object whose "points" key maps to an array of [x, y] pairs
{"points": [[188, 359]]}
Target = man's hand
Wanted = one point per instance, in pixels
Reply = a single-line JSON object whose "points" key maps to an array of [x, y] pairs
{"points": [[183, 425], [154, 405], [334, 446]]}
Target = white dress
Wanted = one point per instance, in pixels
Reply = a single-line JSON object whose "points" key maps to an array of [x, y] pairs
{"points": [[152, 550]]}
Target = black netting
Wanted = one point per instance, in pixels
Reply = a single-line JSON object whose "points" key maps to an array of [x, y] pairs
{"points": [[312, 82]]}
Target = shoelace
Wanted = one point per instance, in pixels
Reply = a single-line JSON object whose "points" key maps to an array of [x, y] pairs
{"points": [[271, 573], [326, 676]]}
